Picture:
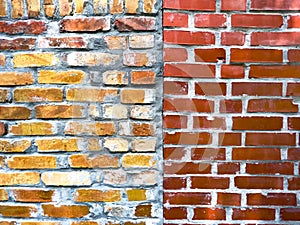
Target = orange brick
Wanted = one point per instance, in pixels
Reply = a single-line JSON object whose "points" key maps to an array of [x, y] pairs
{"points": [[65, 211], [116, 6], [3, 8], [14, 146], [14, 113], [20, 211], [33, 195], [33, 128], [61, 77], [19, 178], [17, 8], [131, 6], [92, 195], [99, 161], [31, 162], [137, 96], [138, 160], [38, 95], [143, 77], [15, 78], [91, 128], [59, 111], [57, 145], [91, 94], [116, 42]]}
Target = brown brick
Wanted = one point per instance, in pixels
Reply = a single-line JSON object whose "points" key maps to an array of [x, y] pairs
{"points": [[91, 94], [93, 195], [33, 128], [66, 178], [33, 195], [135, 24], [8, 146], [19, 178], [15, 78], [32, 162], [17, 8], [92, 128], [20, 211], [35, 59], [55, 145], [59, 111], [85, 24], [99, 161], [65, 211], [143, 211], [138, 160], [17, 44], [38, 95]]}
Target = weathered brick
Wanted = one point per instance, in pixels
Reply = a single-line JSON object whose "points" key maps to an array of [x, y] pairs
{"points": [[65, 211], [115, 111], [116, 144], [33, 8], [35, 59], [31, 162], [144, 145], [141, 41], [17, 44], [142, 112], [114, 177], [138, 160], [91, 59], [93, 195], [23, 27], [2, 59], [129, 96], [138, 59], [91, 128], [66, 178], [99, 161], [115, 77], [144, 178], [100, 6], [59, 111], [65, 8], [63, 42], [116, 42], [20, 211], [33, 128], [56, 144], [19, 178], [10, 146], [15, 78], [40, 223], [4, 95], [38, 95], [91, 94], [33, 195], [135, 24], [116, 6], [85, 24]]}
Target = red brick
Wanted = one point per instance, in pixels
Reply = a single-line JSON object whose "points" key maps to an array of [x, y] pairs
{"points": [[228, 168], [256, 154], [294, 123], [192, 198], [284, 71], [210, 182], [210, 88], [257, 123], [230, 106], [88, 24], [237, 5], [272, 199], [175, 213], [135, 24], [188, 37], [229, 199], [286, 168], [175, 121], [173, 19], [294, 21], [175, 54], [208, 154], [23, 27], [257, 88], [209, 214], [174, 183], [189, 70], [275, 38], [253, 214], [294, 154], [210, 20], [232, 71], [210, 55], [188, 105], [290, 214], [203, 5], [229, 139], [294, 55], [247, 182], [187, 138], [272, 105], [256, 55], [270, 139], [233, 38], [256, 20], [176, 88], [275, 5], [203, 122], [187, 168], [294, 183], [174, 153]]}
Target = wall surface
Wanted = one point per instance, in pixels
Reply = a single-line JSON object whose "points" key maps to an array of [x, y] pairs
{"points": [[231, 111], [80, 112]]}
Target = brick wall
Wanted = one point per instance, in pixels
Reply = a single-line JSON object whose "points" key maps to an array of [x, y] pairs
{"points": [[80, 133], [231, 112]]}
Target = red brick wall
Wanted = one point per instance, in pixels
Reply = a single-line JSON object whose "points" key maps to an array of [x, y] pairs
{"points": [[231, 88]]}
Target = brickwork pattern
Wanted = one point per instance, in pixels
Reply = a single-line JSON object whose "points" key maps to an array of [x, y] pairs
{"points": [[80, 132], [231, 112]]}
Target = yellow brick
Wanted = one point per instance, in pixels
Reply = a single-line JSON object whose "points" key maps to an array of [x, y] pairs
{"points": [[38, 95], [92, 195], [79, 6], [40, 223], [33, 128], [49, 10], [14, 146], [91, 94], [138, 160], [90, 128], [19, 178], [62, 77], [99, 161], [31, 162], [100, 6], [131, 6], [116, 42], [3, 195], [14, 112], [137, 96], [57, 145], [66, 178], [33, 7], [59, 111], [15, 78], [116, 144], [3, 8], [136, 195], [116, 6], [65, 8], [17, 8], [35, 59], [149, 6]]}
